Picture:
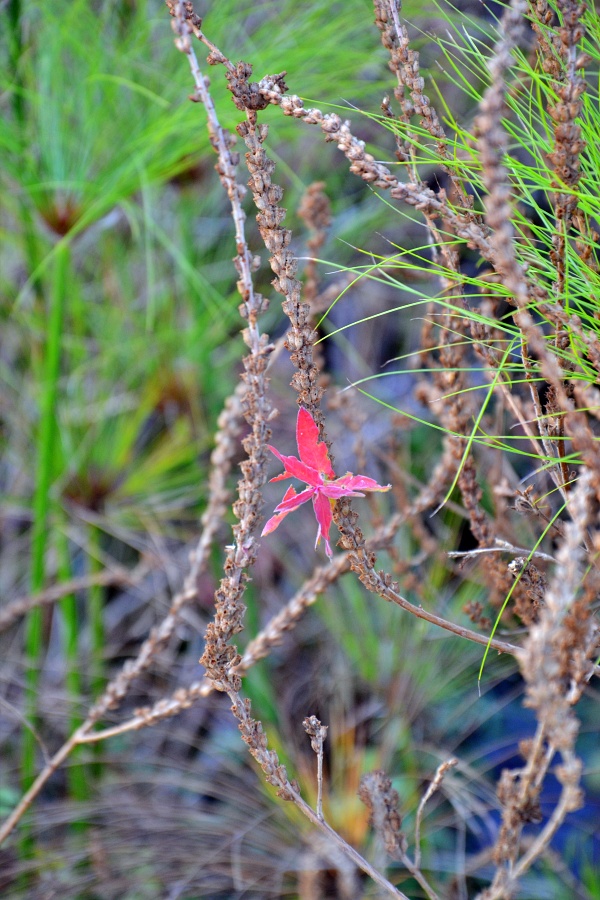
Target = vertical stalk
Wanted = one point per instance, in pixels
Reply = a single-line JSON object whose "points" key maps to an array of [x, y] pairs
{"points": [[15, 53], [45, 464], [95, 612], [96, 615], [75, 773], [15, 38]]}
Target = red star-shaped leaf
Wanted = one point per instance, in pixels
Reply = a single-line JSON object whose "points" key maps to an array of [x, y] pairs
{"points": [[314, 469]]}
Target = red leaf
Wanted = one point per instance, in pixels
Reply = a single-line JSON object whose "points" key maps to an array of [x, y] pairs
{"points": [[324, 516], [315, 470], [312, 451]]}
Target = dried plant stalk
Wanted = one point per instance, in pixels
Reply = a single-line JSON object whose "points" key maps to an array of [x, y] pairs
{"points": [[220, 657], [16, 609], [556, 664]]}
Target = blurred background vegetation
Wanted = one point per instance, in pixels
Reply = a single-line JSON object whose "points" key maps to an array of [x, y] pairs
{"points": [[120, 342]]}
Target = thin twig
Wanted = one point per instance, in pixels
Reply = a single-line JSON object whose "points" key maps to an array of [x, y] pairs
{"points": [[14, 610], [433, 786], [503, 547], [317, 734]]}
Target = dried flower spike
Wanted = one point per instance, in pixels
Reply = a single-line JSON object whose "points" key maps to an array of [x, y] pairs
{"points": [[314, 469]]}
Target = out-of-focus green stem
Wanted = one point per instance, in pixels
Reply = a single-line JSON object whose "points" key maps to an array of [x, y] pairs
{"points": [[96, 615], [75, 773], [16, 56], [46, 447], [15, 52], [95, 611]]}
